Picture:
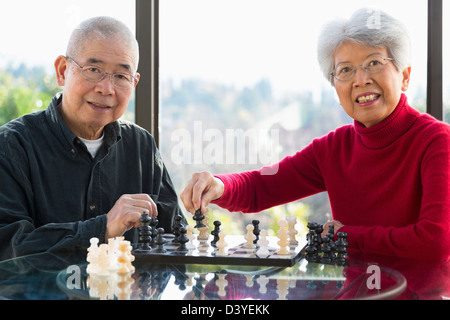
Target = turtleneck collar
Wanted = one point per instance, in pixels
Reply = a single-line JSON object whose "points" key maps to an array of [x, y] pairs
{"points": [[390, 129]]}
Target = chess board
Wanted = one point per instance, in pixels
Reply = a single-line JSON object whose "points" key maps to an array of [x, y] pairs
{"points": [[236, 254]]}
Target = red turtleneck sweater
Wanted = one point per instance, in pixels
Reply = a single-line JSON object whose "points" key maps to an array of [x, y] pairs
{"points": [[388, 184]]}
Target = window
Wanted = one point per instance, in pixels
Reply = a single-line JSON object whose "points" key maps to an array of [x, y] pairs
{"points": [[446, 62], [240, 86]]}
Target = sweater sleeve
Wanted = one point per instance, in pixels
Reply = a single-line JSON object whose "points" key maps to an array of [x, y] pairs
{"points": [[429, 237], [292, 178]]}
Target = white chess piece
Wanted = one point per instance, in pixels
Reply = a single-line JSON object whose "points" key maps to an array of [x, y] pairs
{"points": [[191, 236], [221, 244], [283, 238], [249, 236], [263, 244], [204, 235], [292, 221], [92, 256]]}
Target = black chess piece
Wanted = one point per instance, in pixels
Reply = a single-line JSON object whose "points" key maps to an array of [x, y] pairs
{"points": [[256, 230], [332, 245], [313, 248], [153, 224], [176, 228], [341, 248], [215, 233], [198, 218], [182, 239], [159, 241], [145, 233], [326, 250]]}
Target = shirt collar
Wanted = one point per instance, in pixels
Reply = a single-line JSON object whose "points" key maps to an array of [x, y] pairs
{"points": [[59, 128]]}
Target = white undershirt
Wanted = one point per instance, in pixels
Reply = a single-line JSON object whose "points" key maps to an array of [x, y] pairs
{"points": [[93, 145]]}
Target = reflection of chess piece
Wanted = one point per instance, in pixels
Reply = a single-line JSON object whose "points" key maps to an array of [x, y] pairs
{"points": [[221, 284], [262, 281], [282, 288]]}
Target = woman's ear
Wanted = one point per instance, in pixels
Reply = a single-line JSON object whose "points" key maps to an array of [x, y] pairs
{"points": [[61, 67], [406, 77]]}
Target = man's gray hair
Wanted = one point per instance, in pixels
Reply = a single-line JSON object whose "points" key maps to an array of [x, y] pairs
{"points": [[102, 27], [368, 27]]}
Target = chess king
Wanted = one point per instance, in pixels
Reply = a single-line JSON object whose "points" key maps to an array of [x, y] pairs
{"points": [[387, 174]]}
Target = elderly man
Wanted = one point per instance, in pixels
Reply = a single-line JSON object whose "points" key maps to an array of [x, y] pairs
{"points": [[74, 171]]}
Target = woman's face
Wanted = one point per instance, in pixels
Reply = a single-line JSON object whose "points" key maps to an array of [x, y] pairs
{"points": [[369, 98]]}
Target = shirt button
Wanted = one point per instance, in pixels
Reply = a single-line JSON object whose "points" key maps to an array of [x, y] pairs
{"points": [[92, 207], [73, 151]]}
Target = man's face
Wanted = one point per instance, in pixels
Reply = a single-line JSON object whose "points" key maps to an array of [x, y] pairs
{"points": [[89, 106]]}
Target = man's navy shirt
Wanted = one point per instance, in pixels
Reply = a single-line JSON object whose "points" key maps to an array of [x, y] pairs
{"points": [[54, 195]]}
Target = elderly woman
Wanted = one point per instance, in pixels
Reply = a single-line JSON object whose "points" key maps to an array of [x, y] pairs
{"points": [[387, 175]]}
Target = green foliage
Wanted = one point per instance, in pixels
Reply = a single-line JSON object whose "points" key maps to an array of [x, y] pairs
{"points": [[24, 90]]}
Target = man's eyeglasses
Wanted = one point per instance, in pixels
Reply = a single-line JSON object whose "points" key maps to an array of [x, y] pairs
{"points": [[346, 71], [96, 74]]}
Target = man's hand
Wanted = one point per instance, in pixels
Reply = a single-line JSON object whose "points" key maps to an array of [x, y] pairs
{"points": [[126, 213], [200, 191]]}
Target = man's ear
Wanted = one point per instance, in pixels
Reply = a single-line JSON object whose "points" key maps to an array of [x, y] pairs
{"points": [[61, 68]]}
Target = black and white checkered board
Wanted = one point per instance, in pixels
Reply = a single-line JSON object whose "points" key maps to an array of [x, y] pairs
{"points": [[237, 254]]}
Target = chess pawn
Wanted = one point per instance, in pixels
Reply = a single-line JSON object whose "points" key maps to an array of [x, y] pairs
{"points": [[250, 237], [198, 218], [159, 241], [221, 244], [215, 233], [182, 239]]}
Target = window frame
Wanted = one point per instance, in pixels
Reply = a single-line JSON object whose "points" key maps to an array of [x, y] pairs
{"points": [[147, 92]]}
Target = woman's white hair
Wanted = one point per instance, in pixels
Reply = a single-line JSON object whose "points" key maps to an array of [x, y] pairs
{"points": [[368, 27]]}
